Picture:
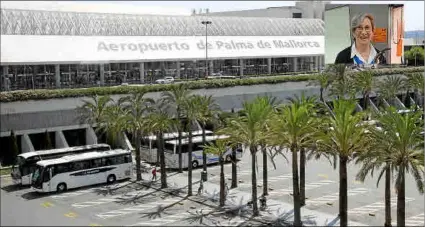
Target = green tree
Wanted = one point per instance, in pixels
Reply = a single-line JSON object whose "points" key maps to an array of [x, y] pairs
{"points": [[93, 111], [389, 87], [415, 82], [343, 136], [247, 130], [415, 56], [219, 148], [208, 110], [176, 98], [364, 83], [403, 132], [324, 80], [135, 107], [159, 122], [309, 103], [292, 128]]}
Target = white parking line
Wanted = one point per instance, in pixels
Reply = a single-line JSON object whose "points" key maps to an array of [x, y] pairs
{"points": [[417, 220], [138, 208], [334, 197], [81, 192], [375, 207], [171, 218], [118, 198], [307, 187]]}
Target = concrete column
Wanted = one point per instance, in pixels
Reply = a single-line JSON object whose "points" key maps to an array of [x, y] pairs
{"points": [[26, 144], [269, 66], [211, 69], [5, 70], [60, 140], [241, 67], [178, 69], [102, 73], [294, 64], [142, 72], [125, 143], [57, 76], [91, 137], [312, 66]]}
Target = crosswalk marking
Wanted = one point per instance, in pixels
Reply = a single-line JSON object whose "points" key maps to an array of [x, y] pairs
{"points": [[375, 207], [81, 192], [307, 187], [118, 198], [170, 218], [142, 207], [334, 197], [417, 220], [269, 180]]}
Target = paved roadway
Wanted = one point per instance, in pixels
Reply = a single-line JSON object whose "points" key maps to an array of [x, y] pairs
{"points": [[365, 200], [132, 204]]}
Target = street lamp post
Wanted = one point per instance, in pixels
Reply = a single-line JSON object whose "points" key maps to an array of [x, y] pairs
{"points": [[206, 23]]}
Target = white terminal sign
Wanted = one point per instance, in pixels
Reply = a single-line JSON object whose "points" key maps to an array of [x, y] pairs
{"points": [[56, 49]]}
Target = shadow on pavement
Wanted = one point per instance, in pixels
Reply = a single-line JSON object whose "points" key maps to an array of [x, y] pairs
{"points": [[14, 187]]}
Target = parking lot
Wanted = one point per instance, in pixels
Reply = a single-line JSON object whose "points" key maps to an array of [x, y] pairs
{"points": [[131, 203]]}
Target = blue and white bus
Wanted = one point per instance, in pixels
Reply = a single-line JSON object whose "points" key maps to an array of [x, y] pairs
{"points": [[25, 162], [171, 152], [80, 170]]}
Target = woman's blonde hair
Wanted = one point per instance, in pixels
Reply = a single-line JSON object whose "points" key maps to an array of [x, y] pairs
{"points": [[358, 19]]}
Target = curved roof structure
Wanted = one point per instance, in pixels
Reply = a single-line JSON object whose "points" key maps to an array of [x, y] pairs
{"points": [[38, 22]]}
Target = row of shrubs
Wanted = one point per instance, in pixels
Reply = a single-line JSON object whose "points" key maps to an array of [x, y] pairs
{"points": [[216, 83]]}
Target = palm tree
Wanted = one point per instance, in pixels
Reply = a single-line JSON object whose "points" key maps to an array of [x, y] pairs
{"points": [[176, 98], [93, 111], [343, 135], [208, 111], [309, 103], [324, 80], [136, 107], [159, 122], [272, 104], [378, 159], [292, 128], [404, 134], [247, 130], [364, 83], [342, 84], [390, 86], [112, 123], [219, 148], [190, 110], [416, 82]]}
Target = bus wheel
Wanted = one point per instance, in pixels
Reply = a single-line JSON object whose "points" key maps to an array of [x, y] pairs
{"points": [[228, 158], [195, 164], [111, 179], [61, 187]]}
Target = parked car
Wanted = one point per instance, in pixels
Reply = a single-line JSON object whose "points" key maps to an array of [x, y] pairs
{"points": [[166, 80]]}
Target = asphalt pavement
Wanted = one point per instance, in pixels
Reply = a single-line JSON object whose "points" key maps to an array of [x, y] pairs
{"points": [[131, 203]]}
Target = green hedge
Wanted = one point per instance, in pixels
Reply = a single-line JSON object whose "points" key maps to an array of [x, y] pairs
{"points": [[216, 83]]}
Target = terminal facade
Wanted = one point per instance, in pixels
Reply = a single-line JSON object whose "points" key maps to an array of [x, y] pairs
{"points": [[49, 49]]}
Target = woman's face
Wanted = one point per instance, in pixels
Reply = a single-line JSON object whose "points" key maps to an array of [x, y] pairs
{"points": [[363, 32]]}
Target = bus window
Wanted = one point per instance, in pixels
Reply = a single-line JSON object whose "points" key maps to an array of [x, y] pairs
{"points": [[60, 168], [119, 160], [109, 161], [96, 163], [169, 148], [127, 158]]}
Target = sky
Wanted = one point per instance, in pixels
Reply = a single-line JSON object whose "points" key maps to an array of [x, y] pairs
{"points": [[414, 10]]}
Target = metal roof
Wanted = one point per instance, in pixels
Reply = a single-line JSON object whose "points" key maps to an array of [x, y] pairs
{"points": [[63, 150], [38, 22], [85, 156]]}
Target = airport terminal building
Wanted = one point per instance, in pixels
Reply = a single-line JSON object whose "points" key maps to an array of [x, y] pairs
{"points": [[68, 49]]}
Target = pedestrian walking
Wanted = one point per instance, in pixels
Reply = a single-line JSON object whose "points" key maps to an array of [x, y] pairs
{"points": [[226, 190], [154, 173]]}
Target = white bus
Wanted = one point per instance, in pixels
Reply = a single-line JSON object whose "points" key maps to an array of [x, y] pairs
{"points": [[149, 144], [171, 152], [25, 162], [80, 170]]}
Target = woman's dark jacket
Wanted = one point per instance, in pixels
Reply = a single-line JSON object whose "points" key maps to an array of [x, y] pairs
{"points": [[344, 57]]}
